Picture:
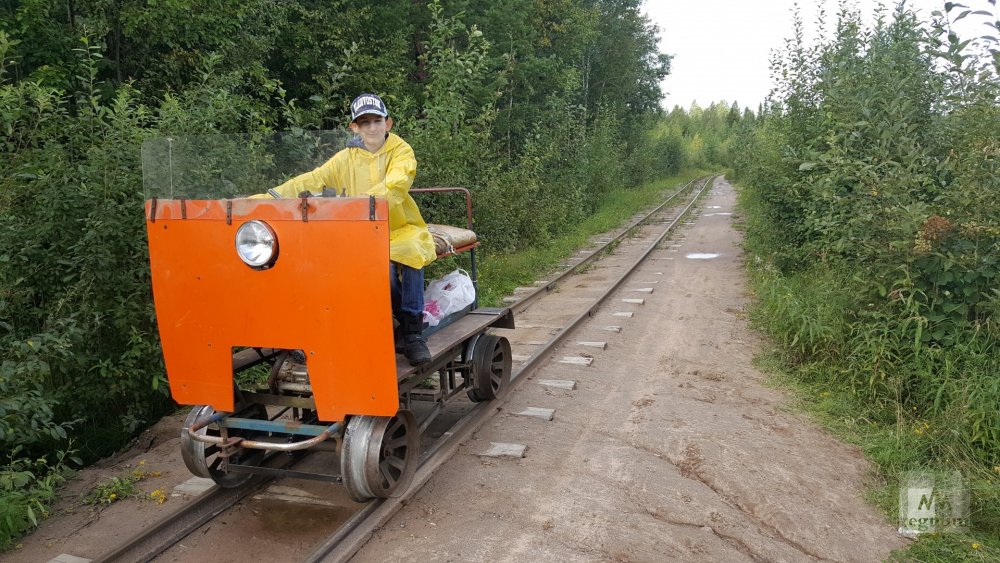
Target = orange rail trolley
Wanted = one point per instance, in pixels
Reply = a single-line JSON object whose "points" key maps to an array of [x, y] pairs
{"points": [[295, 292]]}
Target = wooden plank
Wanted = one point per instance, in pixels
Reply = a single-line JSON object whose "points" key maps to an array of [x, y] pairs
{"points": [[474, 322]]}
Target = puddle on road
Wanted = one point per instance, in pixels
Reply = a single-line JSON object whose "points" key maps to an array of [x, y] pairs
{"points": [[284, 519], [714, 214], [702, 255], [714, 207]]}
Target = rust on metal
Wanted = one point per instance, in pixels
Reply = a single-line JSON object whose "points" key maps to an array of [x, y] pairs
{"points": [[225, 442], [304, 206], [468, 200], [251, 357], [279, 400]]}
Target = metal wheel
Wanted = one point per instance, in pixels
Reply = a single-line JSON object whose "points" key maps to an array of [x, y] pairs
{"points": [[379, 455], [204, 460], [491, 362]]}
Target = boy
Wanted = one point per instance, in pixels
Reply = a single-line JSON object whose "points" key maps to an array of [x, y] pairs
{"points": [[380, 163]]}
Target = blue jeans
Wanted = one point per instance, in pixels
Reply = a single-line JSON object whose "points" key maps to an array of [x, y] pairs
{"points": [[407, 286]]}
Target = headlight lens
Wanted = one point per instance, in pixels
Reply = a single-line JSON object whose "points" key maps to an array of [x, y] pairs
{"points": [[256, 244]]}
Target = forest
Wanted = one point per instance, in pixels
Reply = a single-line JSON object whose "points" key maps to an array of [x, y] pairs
{"points": [[543, 108], [873, 236]]}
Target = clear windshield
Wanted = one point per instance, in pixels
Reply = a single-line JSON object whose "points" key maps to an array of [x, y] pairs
{"points": [[231, 166]]}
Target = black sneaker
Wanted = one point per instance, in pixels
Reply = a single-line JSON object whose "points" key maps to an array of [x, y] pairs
{"points": [[415, 350]]}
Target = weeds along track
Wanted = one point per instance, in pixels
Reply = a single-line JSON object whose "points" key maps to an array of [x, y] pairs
{"points": [[545, 314]]}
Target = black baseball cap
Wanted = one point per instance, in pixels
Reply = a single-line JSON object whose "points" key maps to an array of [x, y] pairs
{"points": [[368, 103]]}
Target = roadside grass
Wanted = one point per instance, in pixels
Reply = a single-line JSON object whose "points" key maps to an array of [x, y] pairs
{"points": [[893, 450], [851, 378], [500, 273], [28, 487], [124, 486]]}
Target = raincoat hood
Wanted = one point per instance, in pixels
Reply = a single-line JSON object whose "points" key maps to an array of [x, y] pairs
{"points": [[357, 142]]}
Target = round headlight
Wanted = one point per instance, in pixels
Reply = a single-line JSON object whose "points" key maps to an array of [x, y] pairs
{"points": [[256, 244]]}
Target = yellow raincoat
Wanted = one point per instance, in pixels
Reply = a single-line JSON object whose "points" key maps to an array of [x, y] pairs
{"points": [[387, 173]]}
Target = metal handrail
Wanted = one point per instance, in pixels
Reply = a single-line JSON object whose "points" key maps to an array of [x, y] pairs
{"points": [[473, 272], [468, 199]]}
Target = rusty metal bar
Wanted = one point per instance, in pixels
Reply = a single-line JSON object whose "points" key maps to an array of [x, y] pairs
{"points": [[332, 430], [473, 271], [251, 357], [279, 400], [468, 200]]}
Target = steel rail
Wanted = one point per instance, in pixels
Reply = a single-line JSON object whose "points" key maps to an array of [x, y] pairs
{"points": [[171, 529], [355, 532], [535, 359], [522, 303], [174, 527]]}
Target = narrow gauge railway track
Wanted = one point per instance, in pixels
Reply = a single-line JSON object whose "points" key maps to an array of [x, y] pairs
{"points": [[349, 538], [538, 336]]}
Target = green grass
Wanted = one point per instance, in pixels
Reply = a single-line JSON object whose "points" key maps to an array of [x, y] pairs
{"points": [[124, 486], [27, 490], [893, 450], [499, 274], [253, 378], [851, 377]]}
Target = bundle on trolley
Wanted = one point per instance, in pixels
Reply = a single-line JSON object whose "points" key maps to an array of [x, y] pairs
{"points": [[298, 288]]}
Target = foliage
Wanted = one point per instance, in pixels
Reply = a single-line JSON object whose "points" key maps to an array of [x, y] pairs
{"points": [[541, 108], [120, 487], [874, 234], [27, 487], [501, 272], [854, 419]]}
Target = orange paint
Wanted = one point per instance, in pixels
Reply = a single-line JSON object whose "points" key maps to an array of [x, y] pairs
{"points": [[327, 294]]}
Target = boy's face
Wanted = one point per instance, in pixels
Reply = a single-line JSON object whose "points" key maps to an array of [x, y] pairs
{"points": [[372, 130]]}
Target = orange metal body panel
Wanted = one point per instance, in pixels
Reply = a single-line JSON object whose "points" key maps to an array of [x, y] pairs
{"points": [[327, 294]]}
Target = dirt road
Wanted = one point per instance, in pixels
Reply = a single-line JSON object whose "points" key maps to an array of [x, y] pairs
{"points": [[669, 448]]}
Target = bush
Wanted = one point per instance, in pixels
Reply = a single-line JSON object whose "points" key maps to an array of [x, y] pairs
{"points": [[874, 233], [80, 92], [27, 487]]}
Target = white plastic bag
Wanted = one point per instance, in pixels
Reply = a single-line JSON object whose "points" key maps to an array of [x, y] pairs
{"points": [[448, 295]]}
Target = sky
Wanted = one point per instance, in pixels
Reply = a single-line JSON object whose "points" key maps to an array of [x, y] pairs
{"points": [[721, 48]]}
